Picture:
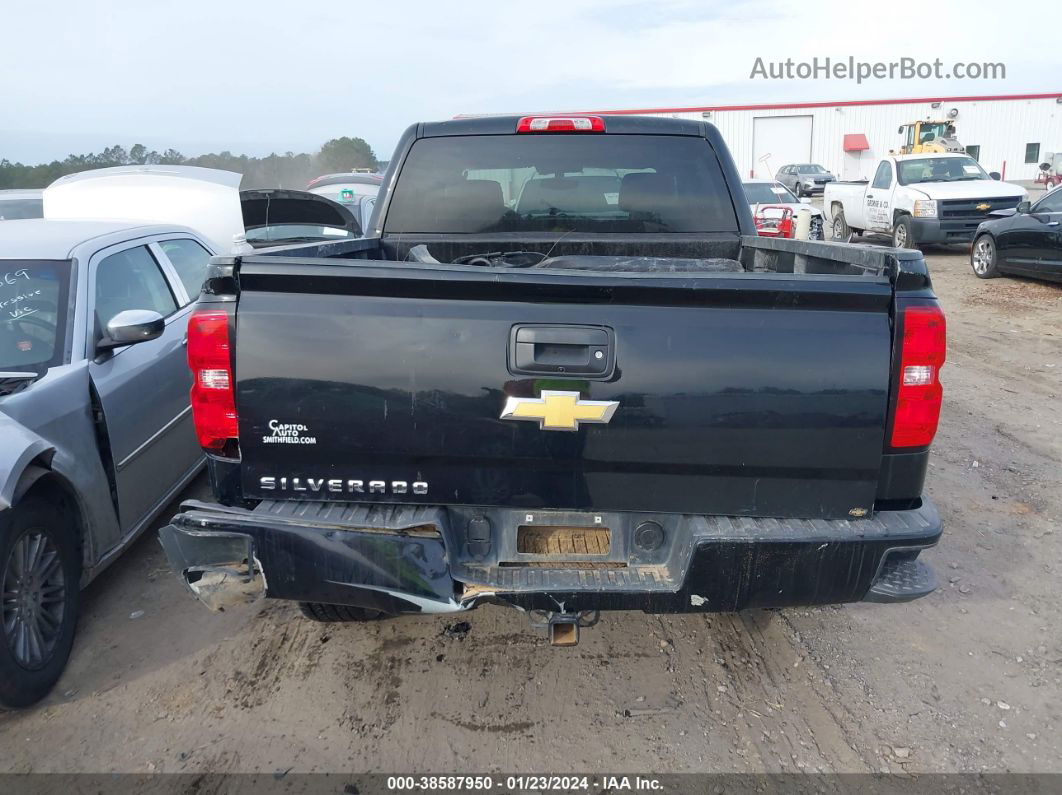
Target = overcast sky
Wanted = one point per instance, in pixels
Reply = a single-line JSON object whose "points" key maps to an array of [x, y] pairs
{"points": [[256, 76]]}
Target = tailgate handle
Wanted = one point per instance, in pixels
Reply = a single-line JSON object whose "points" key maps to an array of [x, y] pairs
{"points": [[587, 351]]}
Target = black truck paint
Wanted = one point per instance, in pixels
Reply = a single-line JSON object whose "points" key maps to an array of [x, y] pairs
{"points": [[746, 464]]}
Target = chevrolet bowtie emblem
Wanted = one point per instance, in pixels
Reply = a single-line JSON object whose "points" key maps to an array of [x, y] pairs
{"points": [[983, 206], [559, 411]]}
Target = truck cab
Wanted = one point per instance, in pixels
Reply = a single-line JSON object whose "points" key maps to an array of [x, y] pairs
{"points": [[918, 199]]}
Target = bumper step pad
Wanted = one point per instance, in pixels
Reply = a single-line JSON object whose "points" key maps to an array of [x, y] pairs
{"points": [[902, 581]]}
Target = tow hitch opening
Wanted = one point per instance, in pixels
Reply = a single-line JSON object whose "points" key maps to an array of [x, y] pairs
{"points": [[562, 629]]}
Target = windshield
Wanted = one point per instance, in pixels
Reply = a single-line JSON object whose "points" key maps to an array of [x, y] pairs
{"points": [[10, 209], [810, 168], [939, 169], [769, 193], [561, 183], [931, 132], [33, 310]]}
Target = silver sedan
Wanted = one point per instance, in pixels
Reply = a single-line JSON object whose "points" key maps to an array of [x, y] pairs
{"points": [[96, 434]]}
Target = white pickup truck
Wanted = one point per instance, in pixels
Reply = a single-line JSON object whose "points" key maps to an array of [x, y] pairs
{"points": [[923, 198]]}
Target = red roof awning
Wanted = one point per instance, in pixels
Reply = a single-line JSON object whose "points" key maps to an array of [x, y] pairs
{"points": [[855, 142]]}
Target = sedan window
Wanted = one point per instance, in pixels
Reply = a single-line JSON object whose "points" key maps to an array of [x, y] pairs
{"points": [[769, 193], [190, 260], [131, 279], [1051, 203]]}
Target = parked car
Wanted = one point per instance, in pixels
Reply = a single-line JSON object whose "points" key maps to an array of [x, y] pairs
{"points": [[917, 199], [629, 405], [273, 216], [94, 417], [205, 199], [767, 191], [1026, 241], [343, 188], [804, 179], [20, 204]]}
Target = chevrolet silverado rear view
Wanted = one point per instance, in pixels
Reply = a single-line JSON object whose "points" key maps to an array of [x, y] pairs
{"points": [[560, 372]]}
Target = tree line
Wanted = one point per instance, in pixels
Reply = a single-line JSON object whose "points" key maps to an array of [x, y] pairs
{"points": [[288, 170]]}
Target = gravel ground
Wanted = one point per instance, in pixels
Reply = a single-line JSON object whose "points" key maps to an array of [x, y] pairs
{"points": [[968, 679]]}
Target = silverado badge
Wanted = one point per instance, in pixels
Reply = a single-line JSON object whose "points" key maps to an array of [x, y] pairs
{"points": [[984, 206], [559, 411]]}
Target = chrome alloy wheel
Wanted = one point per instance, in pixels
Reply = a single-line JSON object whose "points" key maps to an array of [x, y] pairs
{"points": [[32, 598], [984, 254]]}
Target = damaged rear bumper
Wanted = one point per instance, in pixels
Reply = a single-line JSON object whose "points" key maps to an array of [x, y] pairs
{"points": [[430, 559]]}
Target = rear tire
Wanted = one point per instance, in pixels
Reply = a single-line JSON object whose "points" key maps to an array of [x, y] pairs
{"points": [[983, 258], [316, 611], [40, 572]]}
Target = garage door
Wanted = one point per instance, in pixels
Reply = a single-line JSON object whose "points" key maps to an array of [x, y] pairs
{"points": [[778, 141]]}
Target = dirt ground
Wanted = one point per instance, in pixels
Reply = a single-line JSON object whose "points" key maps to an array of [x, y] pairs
{"points": [[969, 679]]}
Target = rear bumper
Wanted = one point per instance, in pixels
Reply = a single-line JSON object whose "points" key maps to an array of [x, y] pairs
{"points": [[412, 559]]}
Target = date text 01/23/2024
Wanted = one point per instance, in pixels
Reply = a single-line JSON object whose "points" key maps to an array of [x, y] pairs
{"points": [[522, 783]]}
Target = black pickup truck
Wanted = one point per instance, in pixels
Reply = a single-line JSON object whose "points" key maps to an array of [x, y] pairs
{"points": [[560, 372]]}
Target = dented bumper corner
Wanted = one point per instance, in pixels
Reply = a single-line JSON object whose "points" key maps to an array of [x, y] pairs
{"points": [[364, 558], [220, 568]]}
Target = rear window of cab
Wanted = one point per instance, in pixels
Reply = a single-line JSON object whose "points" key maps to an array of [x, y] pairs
{"points": [[560, 183]]}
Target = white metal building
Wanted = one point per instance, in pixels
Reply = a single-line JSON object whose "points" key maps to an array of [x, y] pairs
{"points": [[1009, 134]]}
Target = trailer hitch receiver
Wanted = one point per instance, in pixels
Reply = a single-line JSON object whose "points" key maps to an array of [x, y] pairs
{"points": [[562, 628]]}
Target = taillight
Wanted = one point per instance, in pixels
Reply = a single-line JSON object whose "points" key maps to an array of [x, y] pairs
{"points": [[918, 398], [213, 401], [536, 124]]}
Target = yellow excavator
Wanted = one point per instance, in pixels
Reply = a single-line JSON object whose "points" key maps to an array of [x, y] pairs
{"points": [[929, 136]]}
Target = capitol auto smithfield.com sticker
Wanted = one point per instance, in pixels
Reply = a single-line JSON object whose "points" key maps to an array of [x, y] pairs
{"points": [[288, 433]]}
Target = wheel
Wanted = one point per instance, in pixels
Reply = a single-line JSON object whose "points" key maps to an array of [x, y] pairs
{"points": [[40, 569], [799, 191], [315, 611], [903, 233], [983, 258], [815, 233], [840, 227]]}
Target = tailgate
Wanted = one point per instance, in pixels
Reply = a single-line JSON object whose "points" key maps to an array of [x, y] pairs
{"points": [[756, 394]]}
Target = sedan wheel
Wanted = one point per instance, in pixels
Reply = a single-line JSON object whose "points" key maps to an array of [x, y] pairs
{"points": [[40, 570], [34, 596], [983, 258]]}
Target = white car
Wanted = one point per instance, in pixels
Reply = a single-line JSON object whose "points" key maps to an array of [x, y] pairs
{"points": [[923, 198], [20, 204], [761, 192], [343, 188]]}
